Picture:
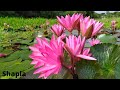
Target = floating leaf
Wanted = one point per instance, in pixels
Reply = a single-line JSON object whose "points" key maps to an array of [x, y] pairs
{"points": [[22, 54], [24, 47], [15, 66], [86, 69], [107, 56], [25, 42], [107, 38], [105, 67], [25, 54], [12, 57], [117, 70]]}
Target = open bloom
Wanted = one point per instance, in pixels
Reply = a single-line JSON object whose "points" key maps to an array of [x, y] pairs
{"points": [[47, 57], [62, 37], [57, 29], [89, 27], [94, 42], [87, 52], [75, 47], [69, 22]]}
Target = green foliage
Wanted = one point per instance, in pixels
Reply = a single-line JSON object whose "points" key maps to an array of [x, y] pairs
{"points": [[20, 22], [45, 14], [86, 69], [14, 66], [105, 67], [107, 22], [117, 70], [23, 54], [16, 35]]}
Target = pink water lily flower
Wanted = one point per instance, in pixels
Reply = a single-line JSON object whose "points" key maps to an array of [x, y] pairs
{"points": [[63, 36], [113, 25], [78, 24], [2, 55], [87, 52], [69, 22], [57, 29], [75, 47], [89, 27], [113, 22], [94, 42], [47, 56], [97, 27]]}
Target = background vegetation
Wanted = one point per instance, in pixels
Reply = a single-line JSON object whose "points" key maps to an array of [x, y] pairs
{"points": [[44, 14]]}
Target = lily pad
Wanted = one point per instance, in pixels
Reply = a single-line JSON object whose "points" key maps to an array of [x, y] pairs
{"points": [[107, 38], [105, 67]]}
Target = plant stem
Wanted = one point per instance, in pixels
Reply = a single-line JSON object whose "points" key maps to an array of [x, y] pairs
{"points": [[72, 63], [75, 76], [67, 68], [78, 32]]}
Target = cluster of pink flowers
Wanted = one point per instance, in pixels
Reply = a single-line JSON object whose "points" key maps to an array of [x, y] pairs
{"points": [[48, 56]]}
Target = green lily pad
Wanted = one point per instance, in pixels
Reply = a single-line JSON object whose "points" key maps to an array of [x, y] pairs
{"points": [[16, 66], [105, 67], [107, 38]]}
